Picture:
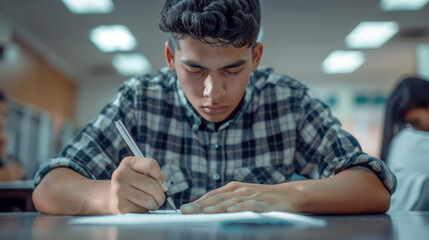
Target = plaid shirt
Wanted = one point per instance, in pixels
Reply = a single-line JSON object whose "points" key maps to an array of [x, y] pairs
{"points": [[279, 130]]}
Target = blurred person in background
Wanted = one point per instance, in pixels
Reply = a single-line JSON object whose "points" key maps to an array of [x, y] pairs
{"points": [[405, 145], [10, 169]]}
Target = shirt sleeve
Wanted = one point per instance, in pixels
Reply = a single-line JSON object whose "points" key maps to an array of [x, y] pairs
{"points": [[95, 152], [323, 149]]}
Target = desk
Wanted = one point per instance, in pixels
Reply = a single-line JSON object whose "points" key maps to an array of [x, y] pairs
{"points": [[397, 225], [16, 196]]}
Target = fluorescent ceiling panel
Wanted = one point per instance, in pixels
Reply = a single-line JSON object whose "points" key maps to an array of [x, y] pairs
{"points": [[371, 34], [113, 38], [343, 62], [89, 6], [131, 64], [402, 5]]}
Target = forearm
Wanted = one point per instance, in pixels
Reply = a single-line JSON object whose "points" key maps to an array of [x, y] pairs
{"points": [[352, 191], [64, 191]]}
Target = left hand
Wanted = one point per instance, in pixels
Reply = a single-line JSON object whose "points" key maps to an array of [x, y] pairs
{"points": [[237, 197]]}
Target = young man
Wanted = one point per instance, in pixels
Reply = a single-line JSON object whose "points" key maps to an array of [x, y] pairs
{"points": [[223, 135]]}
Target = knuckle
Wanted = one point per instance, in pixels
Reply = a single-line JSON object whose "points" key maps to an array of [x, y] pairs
{"points": [[244, 190], [162, 199], [119, 175], [116, 175], [127, 160], [152, 163], [233, 185]]}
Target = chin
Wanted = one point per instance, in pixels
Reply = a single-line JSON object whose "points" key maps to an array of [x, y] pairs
{"points": [[214, 119]]}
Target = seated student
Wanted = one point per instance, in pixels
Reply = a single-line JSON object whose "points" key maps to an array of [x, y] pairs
{"points": [[223, 135], [405, 145], [10, 169]]}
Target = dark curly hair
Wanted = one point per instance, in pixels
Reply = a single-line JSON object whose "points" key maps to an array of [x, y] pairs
{"points": [[225, 22]]}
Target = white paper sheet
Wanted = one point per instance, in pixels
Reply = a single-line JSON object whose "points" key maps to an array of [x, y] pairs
{"points": [[170, 217]]}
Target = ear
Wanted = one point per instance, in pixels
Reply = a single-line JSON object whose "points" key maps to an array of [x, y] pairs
{"points": [[257, 55], [169, 56]]}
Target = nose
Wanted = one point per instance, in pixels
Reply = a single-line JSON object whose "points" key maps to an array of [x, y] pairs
{"points": [[214, 88]]}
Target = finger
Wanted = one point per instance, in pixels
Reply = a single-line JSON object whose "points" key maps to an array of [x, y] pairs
{"points": [[221, 207], [162, 176], [198, 205], [212, 203], [195, 206], [249, 205], [230, 187], [211, 198], [149, 186], [127, 206], [142, 199], [146, 166], [119, 200], [124, 176]]}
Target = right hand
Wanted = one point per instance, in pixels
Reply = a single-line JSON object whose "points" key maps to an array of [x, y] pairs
{"points": [[136, 186]]}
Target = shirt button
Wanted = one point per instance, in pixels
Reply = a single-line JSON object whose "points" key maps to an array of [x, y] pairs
{"points": [[217, 146], [216, 176]]}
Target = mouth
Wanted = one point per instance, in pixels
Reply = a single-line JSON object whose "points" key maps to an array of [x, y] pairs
{"points": [[212, 109]]}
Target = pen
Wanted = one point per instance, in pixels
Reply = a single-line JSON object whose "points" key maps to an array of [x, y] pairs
{"points": [[136, 151]]}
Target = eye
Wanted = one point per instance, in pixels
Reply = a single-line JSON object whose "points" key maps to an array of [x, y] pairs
{"points": [[195, 71], [233, 71]]}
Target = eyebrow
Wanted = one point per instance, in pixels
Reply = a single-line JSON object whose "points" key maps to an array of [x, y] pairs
{"points": [[190, 63]]}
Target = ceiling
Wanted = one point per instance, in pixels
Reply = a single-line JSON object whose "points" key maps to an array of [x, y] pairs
{"points": [[298, 36]]}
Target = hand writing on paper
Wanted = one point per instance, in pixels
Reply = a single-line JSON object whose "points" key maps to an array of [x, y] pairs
{"points": [[237, 196], [133, 191]]}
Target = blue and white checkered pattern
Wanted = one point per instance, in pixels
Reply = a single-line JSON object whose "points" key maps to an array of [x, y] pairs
{"points": [[279, 130]]}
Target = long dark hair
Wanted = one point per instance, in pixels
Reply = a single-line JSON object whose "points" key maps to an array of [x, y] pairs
{"points": [[226, 22], [409, 94]]}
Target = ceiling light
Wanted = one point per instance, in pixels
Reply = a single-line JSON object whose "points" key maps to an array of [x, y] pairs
{"points": [[131, 64], [113, 38], [402, 5], [89, 6], [371, 34], [343, 61]]}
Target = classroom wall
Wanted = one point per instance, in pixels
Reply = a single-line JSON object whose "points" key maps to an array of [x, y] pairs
{"points": [[93, 96], [30, 79], [42, 101], [359, 108]]}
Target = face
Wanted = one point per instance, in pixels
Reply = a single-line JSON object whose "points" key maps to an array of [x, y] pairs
{"points": [[418, 118], [213, 79]]}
